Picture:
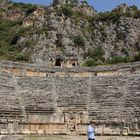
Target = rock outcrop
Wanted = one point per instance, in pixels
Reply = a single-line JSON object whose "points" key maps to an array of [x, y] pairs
{"points": [[65, 2], [70, 33]]}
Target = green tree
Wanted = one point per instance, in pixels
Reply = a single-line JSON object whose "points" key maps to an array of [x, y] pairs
{"points": [[96, 53], [21, 56], [79, 41], [90, 63], [67, 11]]}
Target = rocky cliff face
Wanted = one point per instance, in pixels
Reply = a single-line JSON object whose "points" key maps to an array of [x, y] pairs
{"points": [[64, 2], [69, 33]]}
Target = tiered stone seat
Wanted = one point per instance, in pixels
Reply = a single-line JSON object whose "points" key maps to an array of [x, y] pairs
{"points": [[115, 98], [9, 104], [11, 114], [72, 92], [102, 102], [37, 95], [39, 111], [132, 100]]}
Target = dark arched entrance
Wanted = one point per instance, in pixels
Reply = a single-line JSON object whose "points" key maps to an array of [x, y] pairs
{"points": [[58, 62]]}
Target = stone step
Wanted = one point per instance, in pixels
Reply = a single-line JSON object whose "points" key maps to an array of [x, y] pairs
{"points": [[11, 116], [32, 110], [7, 111]]}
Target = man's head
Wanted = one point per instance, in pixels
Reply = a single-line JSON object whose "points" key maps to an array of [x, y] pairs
{"points": [[91, 122]]}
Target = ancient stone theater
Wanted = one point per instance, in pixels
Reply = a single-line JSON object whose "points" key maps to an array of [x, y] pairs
{"points": [[39, 100]]}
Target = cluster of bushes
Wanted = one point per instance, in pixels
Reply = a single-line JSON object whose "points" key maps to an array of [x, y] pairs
{"points": [[95, 57], [72, 2], [6, 35], [135, 13], [28, 8], [119, 59], [103, 33], [90, 62], [96, 54], [23, 31], [29, 30], [79, 41], [9, 35], [107, 16], [20, 56], [115, 15], [120, 35], [65, 10], [114, 60], [68, 12], [6, 24], [84, 2], [126, 59], [137, 57]]}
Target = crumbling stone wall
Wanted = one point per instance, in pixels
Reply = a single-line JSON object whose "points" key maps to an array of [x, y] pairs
{"points": [[64, 100]]}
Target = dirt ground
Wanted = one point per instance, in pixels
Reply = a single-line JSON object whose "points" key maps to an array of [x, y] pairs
{"points": [[82, 138], [65, 138]]}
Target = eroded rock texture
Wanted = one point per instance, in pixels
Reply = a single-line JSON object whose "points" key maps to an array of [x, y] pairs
{"points": [[69, 33]]}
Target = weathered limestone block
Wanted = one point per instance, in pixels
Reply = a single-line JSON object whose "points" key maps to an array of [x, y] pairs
{"points": [[33, 132], [41, 132], [81, 129], [131, 133], [125, 131], [99, 130], [116, 131], [84, 118], [107, 131], [26, 132], [3, 126], [134, 125], [137, 133], [48, 133], [37, 118], [55, 133], [4, 132]]}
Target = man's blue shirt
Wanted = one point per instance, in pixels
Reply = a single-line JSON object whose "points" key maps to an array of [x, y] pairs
{"points": [[90, 132]]}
